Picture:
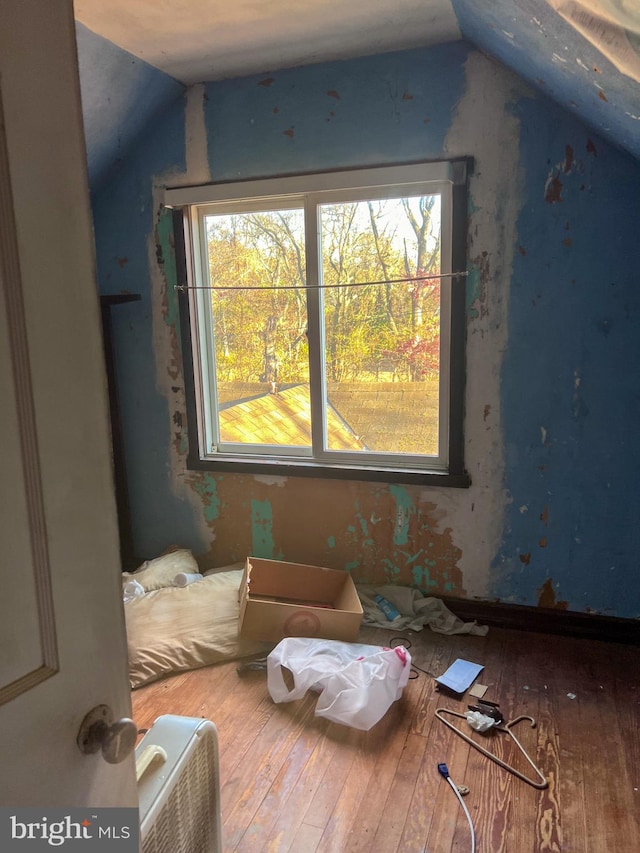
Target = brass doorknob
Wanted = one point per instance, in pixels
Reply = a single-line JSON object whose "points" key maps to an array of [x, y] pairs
{"points": [[98, 731]]}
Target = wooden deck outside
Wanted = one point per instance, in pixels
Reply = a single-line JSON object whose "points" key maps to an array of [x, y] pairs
{"points": [[293, 782]]}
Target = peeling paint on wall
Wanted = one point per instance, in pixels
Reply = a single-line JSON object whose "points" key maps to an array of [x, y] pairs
{"points": [[198, 491], [477, 282], [271, 480], [336, 525], [476, 517], [206, 488], [553, 190], [547, 597]]}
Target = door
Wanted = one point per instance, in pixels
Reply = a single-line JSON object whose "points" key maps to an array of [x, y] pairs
{"points": [[62, 639]]}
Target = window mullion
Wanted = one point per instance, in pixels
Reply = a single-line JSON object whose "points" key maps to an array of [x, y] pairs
{"points": [[445, 325], [315, 331]]}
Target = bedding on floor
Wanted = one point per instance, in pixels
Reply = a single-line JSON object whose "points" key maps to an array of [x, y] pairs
{"points": [[172, 629]]}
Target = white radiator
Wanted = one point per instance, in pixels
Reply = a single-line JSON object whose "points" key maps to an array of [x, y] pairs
{"points": [[179, 787]]}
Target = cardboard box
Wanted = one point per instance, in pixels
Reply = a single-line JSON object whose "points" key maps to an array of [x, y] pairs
{"points": [[279, 600]]}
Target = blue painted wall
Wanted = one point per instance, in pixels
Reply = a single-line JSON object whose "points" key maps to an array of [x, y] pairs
{"points": [[121, 94], [125, 227], [562, 503], [571, 376], [384, 109]]}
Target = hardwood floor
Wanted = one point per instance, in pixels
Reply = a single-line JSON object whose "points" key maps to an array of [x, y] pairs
{"points": [[293, 782]]}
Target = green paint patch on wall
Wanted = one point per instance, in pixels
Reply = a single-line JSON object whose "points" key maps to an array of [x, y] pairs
{"points": [[390, 569], [262, 544], [331, 541], [207, 489], [404, 509], [364, 524], [351, 566], [411, 558], [422, 577]]}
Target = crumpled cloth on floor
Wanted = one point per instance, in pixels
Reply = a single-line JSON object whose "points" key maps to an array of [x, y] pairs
{"points": [[415, 609]]}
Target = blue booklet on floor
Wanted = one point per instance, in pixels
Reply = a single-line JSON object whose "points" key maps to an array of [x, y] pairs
{"points": [[460, 675]]}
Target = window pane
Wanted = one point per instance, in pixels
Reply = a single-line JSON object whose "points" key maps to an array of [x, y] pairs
{"points": [[259, 322], [382, 340]]}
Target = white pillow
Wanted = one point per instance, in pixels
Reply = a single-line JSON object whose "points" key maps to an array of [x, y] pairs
{"points": [[162, 571]]}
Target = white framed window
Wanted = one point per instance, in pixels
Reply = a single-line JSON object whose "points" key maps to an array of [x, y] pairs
{"points": [[323, 322]]}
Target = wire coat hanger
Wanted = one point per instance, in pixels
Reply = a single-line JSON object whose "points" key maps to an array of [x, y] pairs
{"points": [[503, 729]]}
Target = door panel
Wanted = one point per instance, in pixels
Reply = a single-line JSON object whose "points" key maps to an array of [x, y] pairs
{"points": [[62, 623]]}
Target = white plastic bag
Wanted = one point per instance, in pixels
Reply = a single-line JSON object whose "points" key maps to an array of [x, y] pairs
{"points": [[357, 683]]}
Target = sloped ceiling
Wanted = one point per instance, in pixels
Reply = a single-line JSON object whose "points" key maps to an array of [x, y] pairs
{"points": [[540, 41], [199, 40], [546, 42]]}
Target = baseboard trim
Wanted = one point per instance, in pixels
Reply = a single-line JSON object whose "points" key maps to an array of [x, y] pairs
{"points": [[547, 621]]}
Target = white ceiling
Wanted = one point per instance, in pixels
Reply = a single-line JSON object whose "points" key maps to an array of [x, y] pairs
{"points": [[197, 40]]}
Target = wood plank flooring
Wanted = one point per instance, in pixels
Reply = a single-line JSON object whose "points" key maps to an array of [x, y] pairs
{"points": [[292, 782]]}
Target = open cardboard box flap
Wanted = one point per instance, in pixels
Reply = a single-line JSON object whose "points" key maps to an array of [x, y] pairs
{"points": [[279, 599]]}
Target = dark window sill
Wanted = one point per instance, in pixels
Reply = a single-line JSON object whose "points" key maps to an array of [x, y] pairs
{"points": [[320, 471]]}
